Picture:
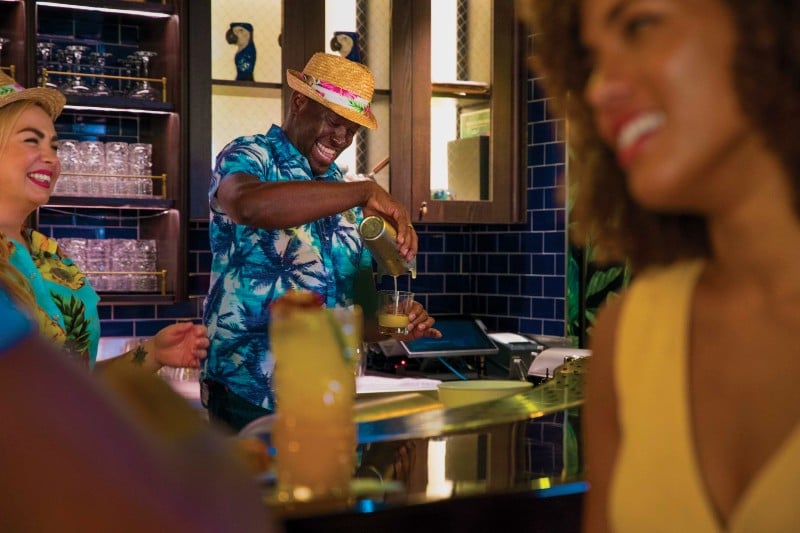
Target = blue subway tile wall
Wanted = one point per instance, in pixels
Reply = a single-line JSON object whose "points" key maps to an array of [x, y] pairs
{"points": [[513, 277]]}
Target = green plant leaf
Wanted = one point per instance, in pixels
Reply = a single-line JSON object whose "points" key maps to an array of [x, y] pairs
{"points": [[601, 279]]}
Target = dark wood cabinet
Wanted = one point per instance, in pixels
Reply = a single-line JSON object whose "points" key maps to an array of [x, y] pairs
{"points": [[412, 94], [117, 28]]}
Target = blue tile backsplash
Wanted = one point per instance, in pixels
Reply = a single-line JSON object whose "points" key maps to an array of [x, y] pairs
{"points": [[513, 277]]}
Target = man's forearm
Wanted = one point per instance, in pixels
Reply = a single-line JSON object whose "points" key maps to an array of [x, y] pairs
{"points": [[288, 204]]}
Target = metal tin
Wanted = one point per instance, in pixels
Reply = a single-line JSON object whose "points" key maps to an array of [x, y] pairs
{"points": [[379, 237]]}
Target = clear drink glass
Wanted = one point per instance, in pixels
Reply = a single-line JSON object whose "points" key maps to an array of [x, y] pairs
{"points": [[70, 156], [75, 249], [139, 158], [117, 157], [393, 310], [92, 157]]}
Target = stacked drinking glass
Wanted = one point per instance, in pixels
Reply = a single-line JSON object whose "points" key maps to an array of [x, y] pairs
{"points": [[115, 265], [97, 169], [139, 164]]}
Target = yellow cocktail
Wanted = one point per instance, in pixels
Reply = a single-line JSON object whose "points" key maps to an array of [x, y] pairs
{"points": [[389, 324], [314, 432], [393, 310]]}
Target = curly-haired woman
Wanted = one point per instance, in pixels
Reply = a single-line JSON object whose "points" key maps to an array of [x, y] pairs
{"points": [[684, 117]]}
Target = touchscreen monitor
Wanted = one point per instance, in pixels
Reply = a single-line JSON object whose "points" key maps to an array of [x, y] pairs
{"points": [[460, 336]]}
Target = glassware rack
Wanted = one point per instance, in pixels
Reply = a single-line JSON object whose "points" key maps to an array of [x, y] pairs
{"points": [[159, 178], [162, 81], [108, 57], [161, 275]]}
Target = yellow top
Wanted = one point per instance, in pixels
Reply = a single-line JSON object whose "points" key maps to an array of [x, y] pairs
{"points": [[657, 485]]}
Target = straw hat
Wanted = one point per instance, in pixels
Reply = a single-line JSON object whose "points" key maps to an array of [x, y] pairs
{"points": [[51, 100], [339, 84]]}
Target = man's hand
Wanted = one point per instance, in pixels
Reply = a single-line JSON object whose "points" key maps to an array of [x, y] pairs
{"points": [[381, 203], [420, 324]]}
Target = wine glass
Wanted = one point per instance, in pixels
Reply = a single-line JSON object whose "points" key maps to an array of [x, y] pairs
{"points": [[3, 42], [143, 90], [76, 85], [127, 68], [45, 51], [101, 88]]}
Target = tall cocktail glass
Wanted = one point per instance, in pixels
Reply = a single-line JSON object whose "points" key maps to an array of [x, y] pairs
{"points": [[314, 433]]}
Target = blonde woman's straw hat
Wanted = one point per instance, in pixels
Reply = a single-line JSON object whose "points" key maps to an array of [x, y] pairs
{"points": [[344, 86], [51, 100]]}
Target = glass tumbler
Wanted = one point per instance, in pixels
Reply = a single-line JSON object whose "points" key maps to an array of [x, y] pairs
{"points": [[70, 158], [93, 157], [116, 165], [393, 310], [140, 158], [122, 253], [75, 249], [69, 155], [139, 164], [98, 261], [93, 163]]}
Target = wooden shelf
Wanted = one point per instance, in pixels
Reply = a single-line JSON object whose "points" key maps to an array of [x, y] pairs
{"points": [[120, 103], [129, 298], [247, 84], [144, 9], [462, 88], [155, 204]]}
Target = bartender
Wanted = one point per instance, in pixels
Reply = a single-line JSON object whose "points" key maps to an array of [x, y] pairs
{"points": [[283, 217]]}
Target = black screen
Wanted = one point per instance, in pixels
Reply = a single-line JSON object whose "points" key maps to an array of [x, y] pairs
{"points": [[460, 336]]}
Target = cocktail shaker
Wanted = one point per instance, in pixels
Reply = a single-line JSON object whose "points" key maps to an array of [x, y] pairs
{"points": [[379, 237]]}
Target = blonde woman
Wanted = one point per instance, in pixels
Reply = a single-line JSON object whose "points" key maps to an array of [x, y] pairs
{"points": [[35, 269]]}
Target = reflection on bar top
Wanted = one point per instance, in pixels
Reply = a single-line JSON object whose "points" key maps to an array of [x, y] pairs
{"points": [[419, 415], [565, 390]]}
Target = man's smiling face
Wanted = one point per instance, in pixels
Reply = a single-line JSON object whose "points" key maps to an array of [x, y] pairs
{"points": [[319, 133]]}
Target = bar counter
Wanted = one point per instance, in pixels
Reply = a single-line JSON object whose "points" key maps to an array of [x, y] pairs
{"points": [[511, 464]]}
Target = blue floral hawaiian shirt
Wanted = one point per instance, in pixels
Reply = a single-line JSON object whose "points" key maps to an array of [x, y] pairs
{"points": [[252, 267], [66, 302]]}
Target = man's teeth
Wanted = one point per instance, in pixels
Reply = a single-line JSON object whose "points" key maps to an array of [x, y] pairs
{"points": [[324, 150], [40, 177], [637, 127]]}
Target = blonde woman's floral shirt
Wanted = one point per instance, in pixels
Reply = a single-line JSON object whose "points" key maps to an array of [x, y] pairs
{"points": [[66, 302], [252, 267]]}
